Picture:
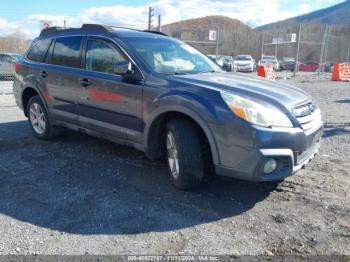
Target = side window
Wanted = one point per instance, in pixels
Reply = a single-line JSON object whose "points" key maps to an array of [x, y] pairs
{"points": [[101, 56], [38, 50], [66, 51], [48, 57]]}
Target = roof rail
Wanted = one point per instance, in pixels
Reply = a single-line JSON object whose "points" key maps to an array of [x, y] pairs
{"points": [[90, 27], [146, 31], [85, 27], [155, 32], [97, 27]]}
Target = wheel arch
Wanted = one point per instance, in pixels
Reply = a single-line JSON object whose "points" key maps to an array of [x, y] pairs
{"points": [[157, 123], [29, 92]]}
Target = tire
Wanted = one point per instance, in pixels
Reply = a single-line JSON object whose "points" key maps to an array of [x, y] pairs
{"points": [[39, 120], [188, 172]]}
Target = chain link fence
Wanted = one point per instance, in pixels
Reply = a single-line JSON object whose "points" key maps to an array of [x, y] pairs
{"points": [[10, 48], [316, 47], [7, 67]]}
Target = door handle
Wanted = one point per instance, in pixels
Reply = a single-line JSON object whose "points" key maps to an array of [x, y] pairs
{"points": [[44, 74], [84, 82]]}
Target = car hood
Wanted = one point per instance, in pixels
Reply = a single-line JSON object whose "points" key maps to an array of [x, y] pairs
{"points": [[283, 95]]}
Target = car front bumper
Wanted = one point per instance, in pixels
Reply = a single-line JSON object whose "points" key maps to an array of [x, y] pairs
{"points": [[292, 152], [245, 68]]}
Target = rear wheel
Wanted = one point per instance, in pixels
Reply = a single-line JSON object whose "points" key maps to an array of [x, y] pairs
{"points": [[39, 120], [184, 154]]}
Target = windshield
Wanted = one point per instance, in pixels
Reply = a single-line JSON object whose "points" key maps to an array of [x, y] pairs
{"points": [[287, 59], [269, 58], [243, 58], [170, 56]]}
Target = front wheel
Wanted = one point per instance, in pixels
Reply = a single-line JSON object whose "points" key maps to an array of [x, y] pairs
{"points": [[184, 154]]}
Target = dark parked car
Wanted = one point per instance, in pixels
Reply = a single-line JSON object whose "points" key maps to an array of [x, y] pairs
{"points": [[165, 98], [287, 63], [228, 63], [225, 62]]}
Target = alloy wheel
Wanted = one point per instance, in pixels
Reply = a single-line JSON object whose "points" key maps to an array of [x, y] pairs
{"points": [[172, 155], [37, 118]]}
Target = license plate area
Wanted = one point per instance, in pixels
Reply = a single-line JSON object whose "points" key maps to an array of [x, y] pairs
{"points": [[312, 142]]}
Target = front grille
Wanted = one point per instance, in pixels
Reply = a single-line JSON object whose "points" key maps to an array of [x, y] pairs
{"points": [[308, 116]]}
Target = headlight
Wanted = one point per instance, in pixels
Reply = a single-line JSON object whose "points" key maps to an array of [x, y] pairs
{"points": [[256, 113]]}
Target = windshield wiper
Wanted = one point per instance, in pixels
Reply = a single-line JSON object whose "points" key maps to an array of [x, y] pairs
{"points": [[177, 73], [209, 71]]}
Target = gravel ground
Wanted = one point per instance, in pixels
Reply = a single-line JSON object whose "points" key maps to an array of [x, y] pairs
{"points": [[81, 195]]}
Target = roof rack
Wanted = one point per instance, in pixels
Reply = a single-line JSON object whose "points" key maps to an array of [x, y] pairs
{"points": [[85, 27], [155, 32], [90, 27], [146, 31]]}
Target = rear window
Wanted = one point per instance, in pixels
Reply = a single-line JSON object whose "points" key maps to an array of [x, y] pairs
{"points": [[67, 51], [39, 50]]}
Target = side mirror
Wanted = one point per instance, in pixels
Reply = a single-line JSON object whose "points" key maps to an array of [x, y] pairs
{"points": [[122, 68], [129, 72]]}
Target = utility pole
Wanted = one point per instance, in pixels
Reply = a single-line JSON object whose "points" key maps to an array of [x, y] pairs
{"points": [[348, 57], [159, 23], [277, 42], [326, 46], [262, 44], [297, 51], [322, 49], [150, 17], [217, 41]]}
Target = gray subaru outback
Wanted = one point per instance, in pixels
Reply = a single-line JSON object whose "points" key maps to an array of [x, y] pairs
{"points": [[163, 97]]}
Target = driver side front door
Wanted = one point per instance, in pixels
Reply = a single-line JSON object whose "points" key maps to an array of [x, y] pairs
{"points": [[111, 105]]}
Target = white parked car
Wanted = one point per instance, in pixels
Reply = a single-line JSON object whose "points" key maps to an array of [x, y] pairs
{"points": [[271, 61], [7, 65], [244, 63]]}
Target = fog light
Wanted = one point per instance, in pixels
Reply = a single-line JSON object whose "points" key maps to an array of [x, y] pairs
{"points": [[270, 166]]}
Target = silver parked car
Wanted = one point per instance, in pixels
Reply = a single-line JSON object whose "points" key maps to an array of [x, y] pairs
{"points": [[271, 61], [7, 65]]}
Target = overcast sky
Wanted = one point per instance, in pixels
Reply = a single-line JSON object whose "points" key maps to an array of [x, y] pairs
{"points": [[25, 16]]}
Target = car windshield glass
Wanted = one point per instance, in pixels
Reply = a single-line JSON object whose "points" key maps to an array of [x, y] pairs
{"points": [[170, 56], [243, 58], [269, 58]]}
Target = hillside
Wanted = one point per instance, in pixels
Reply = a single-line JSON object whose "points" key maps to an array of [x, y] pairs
{"points": [[201, 26], [335, 15], [238, 38], [233, 33]]}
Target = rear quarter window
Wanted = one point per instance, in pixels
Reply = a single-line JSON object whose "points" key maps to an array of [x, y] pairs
{"points": [[66, 51], [38, 50]]}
